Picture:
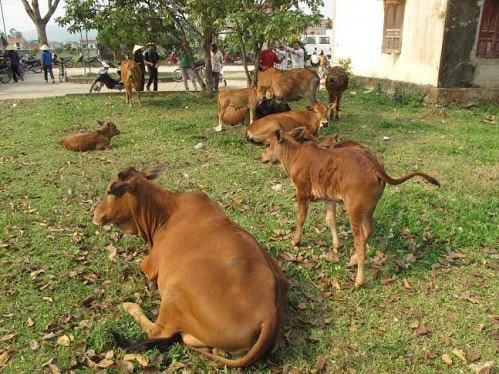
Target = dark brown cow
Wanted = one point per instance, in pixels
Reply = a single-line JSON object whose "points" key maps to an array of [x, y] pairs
{"points": [[131, 76], [90, 141], [346, 174], [219, 288], [291, 84], [241, 98], [312, 119], [336, 82]]}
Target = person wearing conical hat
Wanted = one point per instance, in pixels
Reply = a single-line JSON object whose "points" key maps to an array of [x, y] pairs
{"points": [[11, 53], [138, 57], [47, 63]]}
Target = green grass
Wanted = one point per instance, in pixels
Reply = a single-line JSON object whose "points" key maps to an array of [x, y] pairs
{"points": [[432, 260]]}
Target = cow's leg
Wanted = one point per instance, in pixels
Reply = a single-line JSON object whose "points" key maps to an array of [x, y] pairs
{"points": [[221, 110], [303, 201], [331, 222]]}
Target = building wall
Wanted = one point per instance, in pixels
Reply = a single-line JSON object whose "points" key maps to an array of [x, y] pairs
{"points": [[358, 29]]}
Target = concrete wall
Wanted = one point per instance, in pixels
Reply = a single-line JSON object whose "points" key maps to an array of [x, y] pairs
{"points": [[358, 31]]}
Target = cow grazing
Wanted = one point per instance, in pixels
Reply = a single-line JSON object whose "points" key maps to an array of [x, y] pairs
{"points": [[267, 106], [219, 288], [292, 84], [311, 118], [90, 141], [336, 83], [131, 76], [242, 98], [346, 174]]}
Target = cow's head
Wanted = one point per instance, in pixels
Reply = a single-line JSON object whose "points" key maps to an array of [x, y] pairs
{"points": [[109, 128], [321, 113], [120, 201], [274, 145]]}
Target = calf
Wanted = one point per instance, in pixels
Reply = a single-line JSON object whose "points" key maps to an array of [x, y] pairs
{"points": [[336, 83], [219, 288], [91, 141], [292, 84], [267, 106], [346, 174], [242, 98], [131, 75], [311, 118]]}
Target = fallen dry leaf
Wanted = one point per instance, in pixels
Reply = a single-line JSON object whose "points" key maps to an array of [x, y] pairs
{"points": [[459, 353], [447, 359]]}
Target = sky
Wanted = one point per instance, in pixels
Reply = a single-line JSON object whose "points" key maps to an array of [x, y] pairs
{"points": [[15, 17]]}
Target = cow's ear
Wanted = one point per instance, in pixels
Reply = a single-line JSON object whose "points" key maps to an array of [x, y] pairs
{"points": [[154, 172], [119, 188]]}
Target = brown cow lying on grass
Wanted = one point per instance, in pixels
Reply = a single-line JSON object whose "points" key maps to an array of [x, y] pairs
{"points": [[90, 141], [241, 98], [131, 76], [347, 174], [336, 82], [219, 288], [312, 119], [291, 84]]}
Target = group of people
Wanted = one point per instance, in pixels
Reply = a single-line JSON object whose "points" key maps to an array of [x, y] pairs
{"points": [[278, 58], [149, 58], [17, 68]]}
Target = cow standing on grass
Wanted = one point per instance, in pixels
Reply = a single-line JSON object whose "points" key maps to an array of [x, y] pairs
{"points": [[336, 82], [219, 288], [131, 75], [91, 141], [348, 174]]}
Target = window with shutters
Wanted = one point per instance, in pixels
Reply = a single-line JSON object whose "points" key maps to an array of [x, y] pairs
{"points": [[392, 27], [488, 34]]}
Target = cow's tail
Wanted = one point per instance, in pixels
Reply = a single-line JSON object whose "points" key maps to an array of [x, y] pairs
{"points": [[387, 179], [263, 345]]}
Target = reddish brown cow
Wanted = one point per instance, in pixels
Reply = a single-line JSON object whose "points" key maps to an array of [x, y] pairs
{"points": [[241, 98], [344, 174], [292, 84], [90, 141], [131, 76], [312, 119], [219, 288], [336, 83]]}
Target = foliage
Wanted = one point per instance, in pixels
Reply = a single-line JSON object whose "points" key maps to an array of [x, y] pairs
{"points": [[430, 304]]}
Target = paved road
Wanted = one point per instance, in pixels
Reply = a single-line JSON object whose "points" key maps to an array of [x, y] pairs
{"points": [[34, 85]]}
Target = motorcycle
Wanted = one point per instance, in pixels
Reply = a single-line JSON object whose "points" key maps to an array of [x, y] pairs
{"points": [[32, 65], [105, 79]]}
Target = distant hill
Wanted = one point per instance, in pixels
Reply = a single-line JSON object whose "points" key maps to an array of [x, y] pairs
{"points": [[58, 34]]}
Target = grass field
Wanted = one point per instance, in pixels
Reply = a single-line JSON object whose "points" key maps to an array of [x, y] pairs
{"points": [[431, 299]]}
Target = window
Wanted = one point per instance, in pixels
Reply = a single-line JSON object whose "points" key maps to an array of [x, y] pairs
{"points": [[488, 34], [392, 27]]}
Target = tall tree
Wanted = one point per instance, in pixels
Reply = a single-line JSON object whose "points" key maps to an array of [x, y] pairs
{"points": [[40, 21]]}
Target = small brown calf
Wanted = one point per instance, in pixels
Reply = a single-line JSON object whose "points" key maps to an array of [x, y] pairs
{"points": [[131, 76], [242, 98], [90, 141], [346, 174]]}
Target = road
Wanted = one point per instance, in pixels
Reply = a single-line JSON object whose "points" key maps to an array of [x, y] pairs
{"points": [[34, 85]]}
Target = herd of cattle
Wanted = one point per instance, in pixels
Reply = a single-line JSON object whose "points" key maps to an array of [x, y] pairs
{"points": [[219, 288]]}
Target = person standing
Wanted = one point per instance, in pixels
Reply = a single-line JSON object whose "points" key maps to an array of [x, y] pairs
{"points": [[297, 56], [268, 58], [138, 57], [185, 65], [47, 63], [216, 65], [11, 53], [151, 58], [282, 53]]}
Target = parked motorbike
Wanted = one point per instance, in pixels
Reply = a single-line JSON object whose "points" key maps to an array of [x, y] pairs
{"points": [[32, 65], [105, 79]]}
